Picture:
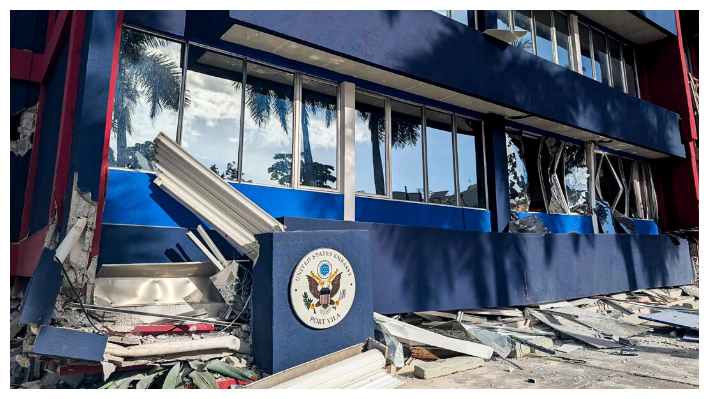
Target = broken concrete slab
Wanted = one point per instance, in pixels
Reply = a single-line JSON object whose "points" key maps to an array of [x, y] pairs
{"points": [[522, 350], [691, 305], [443, 367]]}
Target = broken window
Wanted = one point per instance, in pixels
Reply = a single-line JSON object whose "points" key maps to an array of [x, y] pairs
{"points": [[576, 179], [517, 173], [147, 97], [626, 185], [551, 174]]}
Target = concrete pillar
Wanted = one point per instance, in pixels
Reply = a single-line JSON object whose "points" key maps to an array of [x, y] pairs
{"points": [[497, 181], [347, 148]]}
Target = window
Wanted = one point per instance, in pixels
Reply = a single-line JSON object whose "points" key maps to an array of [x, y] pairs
{"points": [[542, 27], [563, 52], [629, 62], [546, 175], [436, 162], [211, 124], [318, 135], [625, 185], [600, 57], [523, 21], [406, 152], [586, 57], [268, 126], [468, 131], [503, 19], [616, 62], [147, 97], [456, 15], [439, 153], [370, 145]]}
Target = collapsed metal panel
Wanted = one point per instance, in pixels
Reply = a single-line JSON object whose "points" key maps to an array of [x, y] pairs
{"points": [[194, 185]]}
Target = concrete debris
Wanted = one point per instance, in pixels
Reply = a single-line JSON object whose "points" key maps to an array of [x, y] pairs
{"points": [[529, 224], [25, 131], [443, 367]]}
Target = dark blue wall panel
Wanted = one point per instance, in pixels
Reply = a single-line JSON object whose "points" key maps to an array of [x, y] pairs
{"points": [[132, 198], [405, 42], [476, 219], [280, 340], [168, 21], [122, 244], [408, 213], [418, 269], [49, 138], [563, 224], [69, 343]]}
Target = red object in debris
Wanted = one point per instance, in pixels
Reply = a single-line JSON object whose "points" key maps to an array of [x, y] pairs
{"points": [[179, 329], [74, 369], [226, 383]]}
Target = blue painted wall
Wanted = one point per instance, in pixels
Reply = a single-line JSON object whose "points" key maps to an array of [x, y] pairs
{"points": [[28, 29], [405, 42], [166, 21], [562, 224], [49, 137], [419, 269], [648, 227], [132, 198], [280, 340]]}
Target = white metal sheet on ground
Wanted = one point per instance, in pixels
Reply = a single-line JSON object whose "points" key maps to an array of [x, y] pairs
{"points": [[674, 318], [379, 379], [338, 374], [211, 198]]}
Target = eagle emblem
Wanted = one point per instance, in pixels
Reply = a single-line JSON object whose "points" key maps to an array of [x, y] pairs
{"points": [[323, 287]]}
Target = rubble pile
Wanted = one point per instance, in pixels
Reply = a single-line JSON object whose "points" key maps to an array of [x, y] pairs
{"points": [[612, 323]]}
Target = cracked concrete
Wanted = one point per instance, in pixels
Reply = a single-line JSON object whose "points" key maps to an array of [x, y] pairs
{"points": [[26, 129]]}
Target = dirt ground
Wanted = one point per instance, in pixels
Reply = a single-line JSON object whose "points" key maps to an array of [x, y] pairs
{"points": [[662, 362]]}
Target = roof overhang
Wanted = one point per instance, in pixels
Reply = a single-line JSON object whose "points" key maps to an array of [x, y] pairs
{"points": [[637, 27]]}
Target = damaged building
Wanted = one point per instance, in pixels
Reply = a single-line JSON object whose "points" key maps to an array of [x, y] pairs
{"points": [[230, 191]]}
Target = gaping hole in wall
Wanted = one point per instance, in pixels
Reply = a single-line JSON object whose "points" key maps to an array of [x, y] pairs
{"points": [[147, 97]]}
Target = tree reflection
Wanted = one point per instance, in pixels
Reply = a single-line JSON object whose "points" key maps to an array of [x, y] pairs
{"points": [[147, 73], [281, 171]]}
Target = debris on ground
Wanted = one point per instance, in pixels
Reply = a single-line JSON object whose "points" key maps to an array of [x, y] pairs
{"points": [[613, 324]]}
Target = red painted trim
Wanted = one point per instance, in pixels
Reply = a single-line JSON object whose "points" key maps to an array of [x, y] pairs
{"points": [[55, 42], [29, 252], [24, 65], [14, 254], [687, 90], [172, 329], [29, 189], [74, 369], [66, 125], [103, 182], [50, 23]]}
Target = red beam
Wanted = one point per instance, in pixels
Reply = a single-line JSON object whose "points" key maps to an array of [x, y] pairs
{"points": [[106, 141], [55, 42], [689, 117], [24, 65], [29, 252], [172, 329], [66, 125], [29, 189]]}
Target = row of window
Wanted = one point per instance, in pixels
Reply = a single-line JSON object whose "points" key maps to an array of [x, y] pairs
{"points": [[433, 155], [239, 118], [551, 176], [603, 58]]}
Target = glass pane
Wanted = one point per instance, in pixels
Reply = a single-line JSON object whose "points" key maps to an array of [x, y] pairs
{"points": [[467, 162], [370, 145], [561, 24], [550, 162], [517, 174], [586, 62], [439, 154], [523, 21], [210, 124], [503, 19], [629, 62], [542, 24], [614, 51], [406, 152], [442, 12], [460, 16], [600, 62], [319, 135], [576, 176], [268, 126], [147, 97]]}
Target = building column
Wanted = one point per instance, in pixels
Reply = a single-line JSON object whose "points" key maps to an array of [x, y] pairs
{"points": [[347, 148], [496, 182]]}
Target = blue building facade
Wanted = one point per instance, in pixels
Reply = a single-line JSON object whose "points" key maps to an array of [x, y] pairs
{"points": [[420, 126]]}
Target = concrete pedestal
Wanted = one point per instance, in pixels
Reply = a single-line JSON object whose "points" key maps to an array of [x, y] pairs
{"points": [[279, 339]]}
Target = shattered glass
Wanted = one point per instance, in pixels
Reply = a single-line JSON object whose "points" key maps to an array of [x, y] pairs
{"points": [[395, 352], [624, 223], [651, 198], [517, 174], [529, 224], [605, 217], [608, 185], [553, 190], [576, 179]]}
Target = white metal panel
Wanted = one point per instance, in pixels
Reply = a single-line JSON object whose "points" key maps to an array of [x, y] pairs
{"points": [[195, 186]]}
